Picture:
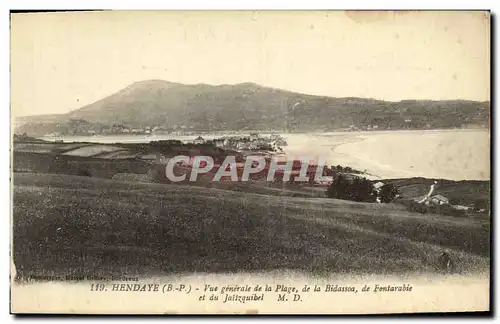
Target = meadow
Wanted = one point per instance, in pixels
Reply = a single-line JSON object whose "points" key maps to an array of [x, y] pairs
{"points": [[72, 225]]}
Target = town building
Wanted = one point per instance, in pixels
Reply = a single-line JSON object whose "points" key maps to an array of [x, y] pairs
{"points": [[199, 140], [439, 200]]}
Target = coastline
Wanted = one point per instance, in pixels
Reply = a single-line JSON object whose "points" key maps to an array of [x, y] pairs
{"points": [[449, 155], [454, 154]]}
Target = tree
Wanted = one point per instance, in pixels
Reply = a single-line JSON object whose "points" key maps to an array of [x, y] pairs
{"points": [[388, 193], [362, 190], [357, 189], [338, 188]]}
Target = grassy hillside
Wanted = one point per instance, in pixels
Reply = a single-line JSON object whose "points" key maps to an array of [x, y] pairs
{"points": [[248, 106], [78, 225], [467, 192]]}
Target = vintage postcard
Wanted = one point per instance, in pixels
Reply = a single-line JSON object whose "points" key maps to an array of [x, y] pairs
{"points": [[250, 162]]}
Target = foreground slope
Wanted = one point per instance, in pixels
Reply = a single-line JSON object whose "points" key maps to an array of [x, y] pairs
{"points": [[81, 226]]}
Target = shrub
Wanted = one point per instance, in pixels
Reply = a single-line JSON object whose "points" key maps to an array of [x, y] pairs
{"points": [[388, 193], [356, 189]]}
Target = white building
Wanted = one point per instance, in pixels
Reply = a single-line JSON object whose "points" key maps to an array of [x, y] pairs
{"points": [[253, 146], [378, 185], [242, 146], [439, 200], [199, 140]]}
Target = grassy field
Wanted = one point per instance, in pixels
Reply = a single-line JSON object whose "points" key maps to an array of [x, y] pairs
{"points": [[70, 225], [465, 190]]}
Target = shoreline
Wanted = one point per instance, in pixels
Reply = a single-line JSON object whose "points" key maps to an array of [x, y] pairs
{"points": [[428, 156], [412, 153], [228, 133]]}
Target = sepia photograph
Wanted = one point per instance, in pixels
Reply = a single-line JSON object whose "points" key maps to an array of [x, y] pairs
{"points": [[250, 162]]}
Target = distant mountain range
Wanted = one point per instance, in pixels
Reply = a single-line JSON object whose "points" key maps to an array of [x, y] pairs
{"points": [[248, 106]]}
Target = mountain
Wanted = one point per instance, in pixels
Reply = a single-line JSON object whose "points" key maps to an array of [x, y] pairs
{"points": [[248, 106]]}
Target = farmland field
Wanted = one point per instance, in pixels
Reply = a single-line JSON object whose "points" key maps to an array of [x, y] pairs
{"points": [[79, 225]]}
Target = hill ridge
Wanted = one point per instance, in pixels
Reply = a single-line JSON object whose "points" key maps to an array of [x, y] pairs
{"points": [[250, 106]]}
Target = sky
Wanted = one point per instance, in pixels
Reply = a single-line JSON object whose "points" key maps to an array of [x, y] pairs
{"points": [[63, 61]]}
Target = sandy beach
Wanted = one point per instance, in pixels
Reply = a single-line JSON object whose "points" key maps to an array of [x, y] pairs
{"points": [[447, 154], [453, 155]]}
